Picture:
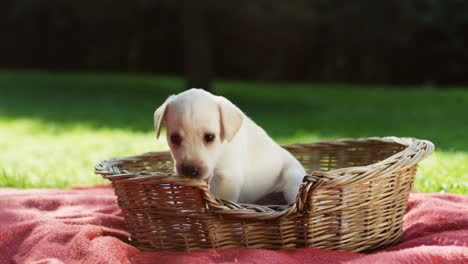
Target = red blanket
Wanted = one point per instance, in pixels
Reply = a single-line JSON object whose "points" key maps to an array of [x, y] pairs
{"points": [[85, 226]]}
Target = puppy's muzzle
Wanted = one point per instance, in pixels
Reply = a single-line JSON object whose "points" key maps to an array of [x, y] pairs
{"points": [[191, 171]]}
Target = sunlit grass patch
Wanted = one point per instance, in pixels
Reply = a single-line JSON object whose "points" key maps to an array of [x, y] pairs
{"points": [[34, 154], [54, 128], [444, 172]]}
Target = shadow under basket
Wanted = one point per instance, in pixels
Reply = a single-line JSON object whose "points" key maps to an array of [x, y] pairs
{"points": [[353, 199]]}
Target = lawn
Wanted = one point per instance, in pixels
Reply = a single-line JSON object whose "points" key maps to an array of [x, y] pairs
{"points": [[54, 127]]}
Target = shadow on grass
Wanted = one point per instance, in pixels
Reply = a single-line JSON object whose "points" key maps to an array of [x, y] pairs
{"points": [[283, 110], [97, 101]]}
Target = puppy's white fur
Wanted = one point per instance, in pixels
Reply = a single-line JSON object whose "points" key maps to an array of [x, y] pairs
{"points": [[242, 163]]}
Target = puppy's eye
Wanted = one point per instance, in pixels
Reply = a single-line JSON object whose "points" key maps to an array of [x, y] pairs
{"points": [[176, 139], [208, 138]]}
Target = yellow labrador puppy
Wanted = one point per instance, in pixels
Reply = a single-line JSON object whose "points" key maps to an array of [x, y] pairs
{"points": [[211, 139]]}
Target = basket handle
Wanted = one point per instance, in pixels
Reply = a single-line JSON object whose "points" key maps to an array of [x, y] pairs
{"points": [[310, 183]]}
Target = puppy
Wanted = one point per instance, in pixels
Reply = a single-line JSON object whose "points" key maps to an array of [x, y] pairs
{"points": [[213, 140]]}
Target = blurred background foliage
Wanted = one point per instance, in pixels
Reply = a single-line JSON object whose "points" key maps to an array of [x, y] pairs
{"points": [[80, 80], [359, 41]]}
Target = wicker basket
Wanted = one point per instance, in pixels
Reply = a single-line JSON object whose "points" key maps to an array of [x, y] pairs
{"points": [[353, 199]]}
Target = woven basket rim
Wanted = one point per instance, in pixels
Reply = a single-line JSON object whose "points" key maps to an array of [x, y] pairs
{"points": [[109, 167], [415, 150]]}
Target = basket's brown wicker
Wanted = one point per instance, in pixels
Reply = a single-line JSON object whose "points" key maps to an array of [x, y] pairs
{"points": [[353, 199]]}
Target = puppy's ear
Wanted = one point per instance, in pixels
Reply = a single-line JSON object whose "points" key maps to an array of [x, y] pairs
{"points": [[231, 118], [160, 114]]}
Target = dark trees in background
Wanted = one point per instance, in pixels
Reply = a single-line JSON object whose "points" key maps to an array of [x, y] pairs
{"points": [[362, 41], [196, 43]]}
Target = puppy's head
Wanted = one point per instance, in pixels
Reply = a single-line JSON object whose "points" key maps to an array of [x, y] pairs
{"points": [[198, 124]]}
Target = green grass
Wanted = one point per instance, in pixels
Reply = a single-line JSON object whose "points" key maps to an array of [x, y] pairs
{"points": [[55, 127]]}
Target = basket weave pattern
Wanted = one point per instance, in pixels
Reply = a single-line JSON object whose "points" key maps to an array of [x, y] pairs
{"points": [[353, 199]]}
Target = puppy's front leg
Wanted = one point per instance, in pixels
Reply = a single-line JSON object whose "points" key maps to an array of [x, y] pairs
{"points": [[292, 177], [228, 187]]}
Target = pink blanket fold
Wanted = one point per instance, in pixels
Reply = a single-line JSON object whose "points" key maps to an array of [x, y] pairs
{"points": [[84, 225]]}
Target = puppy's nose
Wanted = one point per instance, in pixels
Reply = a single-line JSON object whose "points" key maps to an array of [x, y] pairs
{"points": [[191, 171]]}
